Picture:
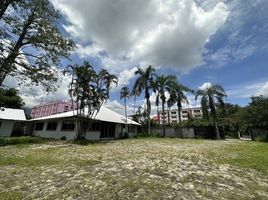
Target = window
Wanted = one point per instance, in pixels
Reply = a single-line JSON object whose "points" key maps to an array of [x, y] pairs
{"points": [[196, 111], [52, 126], [131, 129], [174, 117], [184, 116], [66, 108], [39, 126], [0, 124], [173, 113], [174, 121], [184, 111], [67, 126], [95, 126]]}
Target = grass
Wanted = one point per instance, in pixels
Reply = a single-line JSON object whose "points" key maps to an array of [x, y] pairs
{"points": [[144, 168]]}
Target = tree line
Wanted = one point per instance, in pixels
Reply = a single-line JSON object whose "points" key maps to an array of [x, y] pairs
{"points": [[148, 81]]}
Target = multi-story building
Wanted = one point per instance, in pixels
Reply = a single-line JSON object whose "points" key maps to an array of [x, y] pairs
{"points": [[51, 108], [172, 116]]}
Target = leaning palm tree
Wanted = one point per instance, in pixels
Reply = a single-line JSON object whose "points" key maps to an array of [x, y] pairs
{"points": [[143, 83], [163, 84], [208, 97], [177, 96], [124, 94]]}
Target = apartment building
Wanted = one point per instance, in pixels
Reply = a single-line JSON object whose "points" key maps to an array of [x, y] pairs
{"points": [[172, 116], [51, 108]]}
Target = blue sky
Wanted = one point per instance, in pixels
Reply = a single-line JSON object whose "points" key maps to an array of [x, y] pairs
{"points": [[201, 41]]}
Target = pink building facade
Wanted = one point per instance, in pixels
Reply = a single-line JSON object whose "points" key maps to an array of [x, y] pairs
{"points": [[51, 108]]}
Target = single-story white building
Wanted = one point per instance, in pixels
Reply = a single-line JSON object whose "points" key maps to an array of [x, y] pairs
{"points": [[107, 125], [8, 118]]}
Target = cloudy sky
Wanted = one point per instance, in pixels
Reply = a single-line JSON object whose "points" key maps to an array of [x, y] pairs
{"points": [[201, 41]]}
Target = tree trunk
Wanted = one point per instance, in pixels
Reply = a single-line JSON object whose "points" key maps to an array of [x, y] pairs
{"points": [[168, 116], [148, 116], [179, 113], [10, 59], [216, 128], [126, 109], [164, 119], [134, 105], [4, 7]]}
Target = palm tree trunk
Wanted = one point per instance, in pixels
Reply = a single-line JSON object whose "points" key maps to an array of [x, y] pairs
{"points": [[164, 119], [168, 116], [148, 116], [216, 128], [126, 109], [134, 105], [158, 114], [179, 112]]}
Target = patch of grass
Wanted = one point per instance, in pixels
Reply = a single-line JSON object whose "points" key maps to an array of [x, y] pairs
{"points": [[251, 155], [11, 195], [4, 141]]}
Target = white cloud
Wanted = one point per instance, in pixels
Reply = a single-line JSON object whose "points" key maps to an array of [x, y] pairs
{"points": [[34, 95], [263, 90], [205, 86], [243, 33], [159, 32]]}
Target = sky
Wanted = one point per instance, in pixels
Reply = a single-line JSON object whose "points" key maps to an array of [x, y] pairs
{"points": [[202, 42]]}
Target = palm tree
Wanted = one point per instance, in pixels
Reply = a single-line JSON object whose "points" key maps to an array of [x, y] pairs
{"points": [[177, 95], [163, 84], [208, 97], [108, 80], [124, 94], [143, 82]]}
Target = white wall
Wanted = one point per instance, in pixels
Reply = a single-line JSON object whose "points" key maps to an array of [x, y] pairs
{"points": [[70, 135], [6, 127], [93, 135], [57, 134]]}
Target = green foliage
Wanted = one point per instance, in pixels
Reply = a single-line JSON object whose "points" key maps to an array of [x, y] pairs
{"points": [[31, 43], [9, 98], [4, 141], [89, 90], [143, 83], [209, 97]]}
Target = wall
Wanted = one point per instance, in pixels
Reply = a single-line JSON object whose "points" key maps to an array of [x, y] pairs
{"points": [[93, 135], [6, 127], [171, 132], [57, 134]]}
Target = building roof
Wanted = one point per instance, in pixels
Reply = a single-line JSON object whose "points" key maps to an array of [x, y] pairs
{"points": [[105, 114], [12, 114]]}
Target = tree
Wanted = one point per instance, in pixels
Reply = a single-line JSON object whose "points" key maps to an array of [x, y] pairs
{"points": [[9, 98], [177, 95], [209, 96], [89, 90], [124, 94], [4, 5], [31, 43], [143, 83], [163, 84]]}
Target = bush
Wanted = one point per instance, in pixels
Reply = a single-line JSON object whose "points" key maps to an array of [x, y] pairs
{"points": [[4, 141]]}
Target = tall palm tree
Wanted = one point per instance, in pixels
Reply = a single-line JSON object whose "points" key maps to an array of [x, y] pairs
{"points": [[124, 94], [143, 83], [209, 96], [177, 96], [163, 84]]}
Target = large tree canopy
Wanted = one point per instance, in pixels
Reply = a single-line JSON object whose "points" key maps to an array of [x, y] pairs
{"points": [[9, 98], [31, 42]]}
